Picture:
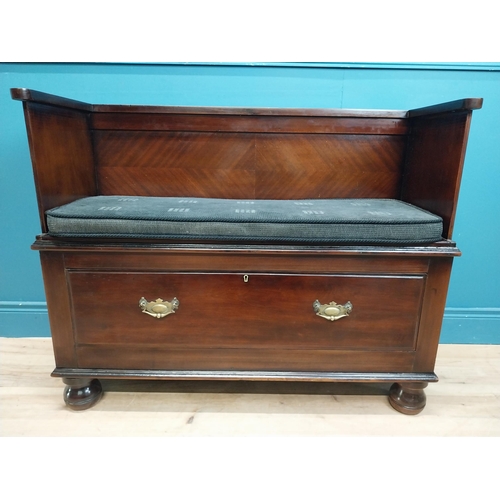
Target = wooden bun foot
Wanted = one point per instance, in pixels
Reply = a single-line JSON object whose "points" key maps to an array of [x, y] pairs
{"points": [[408, 398], [81, 394]]}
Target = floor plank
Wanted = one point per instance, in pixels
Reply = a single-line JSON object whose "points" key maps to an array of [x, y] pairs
{"points": [[466, 402]]}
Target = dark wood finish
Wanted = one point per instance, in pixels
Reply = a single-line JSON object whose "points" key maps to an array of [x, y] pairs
{"points": [[83, 246], [337, 166], [245, 165], [267, 311], [59, 306], [264, 328], [238, 111], [245, 261], [408, 398], [447, 107], [122, 357], [245, 124], [256, 375], [28, 95], [434, 163], [82, 393], [431, 319], [61, 154]]}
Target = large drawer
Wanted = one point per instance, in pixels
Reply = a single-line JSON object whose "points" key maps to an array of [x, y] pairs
{"points": [[254, 311]]}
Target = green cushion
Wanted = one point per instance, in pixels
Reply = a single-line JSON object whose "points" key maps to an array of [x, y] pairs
{"points": [[361, 221]]}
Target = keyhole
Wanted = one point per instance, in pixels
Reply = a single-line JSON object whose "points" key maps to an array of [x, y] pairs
{"points": [[245, 278]]}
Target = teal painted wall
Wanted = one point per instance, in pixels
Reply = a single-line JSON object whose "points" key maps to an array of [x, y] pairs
{"points": [[473, 307]]}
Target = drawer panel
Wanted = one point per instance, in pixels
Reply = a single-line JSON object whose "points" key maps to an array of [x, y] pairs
{"points": [[134, 357], [267, 311]]}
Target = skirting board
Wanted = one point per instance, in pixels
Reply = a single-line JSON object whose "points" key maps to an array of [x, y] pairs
{"points": [[460, 325], [475, 325], [24, 319]]}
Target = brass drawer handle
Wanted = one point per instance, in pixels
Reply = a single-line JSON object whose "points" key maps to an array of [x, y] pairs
{"points": [[332, 311], [158, 308]]}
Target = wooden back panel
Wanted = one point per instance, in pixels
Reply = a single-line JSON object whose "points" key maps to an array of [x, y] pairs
{"points": [[241, 156]]}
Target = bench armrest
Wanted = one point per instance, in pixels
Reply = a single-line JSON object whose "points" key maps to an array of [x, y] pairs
{"points": [[28, 95], [61, 149], [435, 156], [468, 104]]}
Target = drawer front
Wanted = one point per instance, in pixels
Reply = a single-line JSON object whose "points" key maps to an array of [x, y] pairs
{"points": [[260, 311]]}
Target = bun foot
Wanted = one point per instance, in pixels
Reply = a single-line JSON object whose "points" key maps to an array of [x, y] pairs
{"points": [[408, 398], [81, 393]]}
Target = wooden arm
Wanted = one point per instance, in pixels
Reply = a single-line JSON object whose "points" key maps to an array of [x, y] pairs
{"points": [[61, 148], [435, 156], [446, 107], [22, 94]]}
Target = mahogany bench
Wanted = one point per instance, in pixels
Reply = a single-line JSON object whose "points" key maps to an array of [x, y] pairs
{"points": [[245, 243]]}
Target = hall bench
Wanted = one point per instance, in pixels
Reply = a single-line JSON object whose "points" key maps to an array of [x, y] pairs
{"points": [[219, 243]]}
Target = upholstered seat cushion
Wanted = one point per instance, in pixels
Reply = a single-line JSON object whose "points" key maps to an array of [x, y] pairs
{"points": [[361, 221]]}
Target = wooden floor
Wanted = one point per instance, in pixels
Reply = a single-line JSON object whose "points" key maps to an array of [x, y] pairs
{"points": [[466, 402]]}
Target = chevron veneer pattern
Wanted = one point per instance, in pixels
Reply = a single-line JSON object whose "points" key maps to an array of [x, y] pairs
{"points": [[247, 165]]}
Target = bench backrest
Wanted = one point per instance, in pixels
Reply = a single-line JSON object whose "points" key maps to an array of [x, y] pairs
{"points": [[221, 153], [79, 149]]}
